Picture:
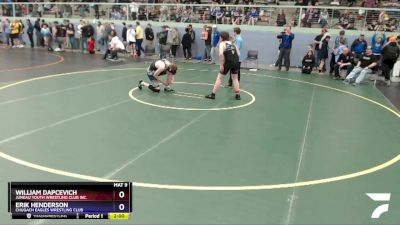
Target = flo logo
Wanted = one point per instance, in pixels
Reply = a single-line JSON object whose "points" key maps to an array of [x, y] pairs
{"points": [[381, 209]]}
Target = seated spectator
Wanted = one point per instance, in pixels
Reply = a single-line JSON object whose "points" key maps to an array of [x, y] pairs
{"points": [[359, 46], [345, 62], [373, 26], [236, 16], [308, 62], [281, 19], [227, 19], [253, 17], [366, 65], [307, 17], [323, 18], [391, 26]]}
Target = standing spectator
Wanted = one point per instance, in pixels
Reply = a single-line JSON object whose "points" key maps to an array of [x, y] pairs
{"points": [[21, 33], [390, 53], [359, 46], [15, 30], [339, 40], [214, 43], [6, 27], [344, 62], [308, 62], [175, 40], [149, 35], [71, 35], [39, 38], [317, 43], [100, 35], [29, 31], [87, 32], [239, 45], [131, 38], [192, 36], [323, 53], [365, 66], [377, 42], [286, 46], [46, 34], [124, 30], [162, 41], [206, 36], [78, 34], [139, 38], [187, 44]]}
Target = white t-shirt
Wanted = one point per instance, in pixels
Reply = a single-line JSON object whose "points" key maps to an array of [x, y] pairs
{"points": [[131, 35], [116, 43]]}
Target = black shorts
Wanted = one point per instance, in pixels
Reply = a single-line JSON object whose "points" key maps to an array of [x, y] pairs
{"points": [[14, 36], [132, 43], [230, 67]]}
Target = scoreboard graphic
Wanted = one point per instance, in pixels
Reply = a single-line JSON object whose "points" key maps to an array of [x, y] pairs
{"points": [[70, 200]]}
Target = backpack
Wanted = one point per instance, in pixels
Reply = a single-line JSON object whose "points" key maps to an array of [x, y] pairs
{"points": [[90, 31], [231, 55]]}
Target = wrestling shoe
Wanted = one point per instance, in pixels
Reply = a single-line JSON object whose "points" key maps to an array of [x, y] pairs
{"points": [[237, 97], [168, 89], [140, 86], [210, 96]]}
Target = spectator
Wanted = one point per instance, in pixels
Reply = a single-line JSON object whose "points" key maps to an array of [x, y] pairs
{"points": [[390, 53], [236, 16], [323, 53], [308, 62], [377, 43], [359, 46], [100, 35], [173, 40], [21, 32], [46, 34], [6, 27], [116, 46], [317, 42], [131, 38], [344, 62], [306, 17], [286, 45], [39, 38], [365, 66], [15, 30], [91, 48], [29, 31], [149, 34], [124, 30], [87, 32], [139, 39], [391, 26], [214, 41], [206, 36], [239, 46], [323, 18], [281, 19], [373, 26], [162, 41], [253, 17], [71, 35], [187, 45], [339, 40]]}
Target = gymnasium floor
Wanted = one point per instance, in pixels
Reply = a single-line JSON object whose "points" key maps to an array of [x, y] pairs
{"points": [[295, 150]]}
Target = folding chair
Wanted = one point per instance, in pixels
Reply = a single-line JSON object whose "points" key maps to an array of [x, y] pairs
{"points": [[252, 55]]}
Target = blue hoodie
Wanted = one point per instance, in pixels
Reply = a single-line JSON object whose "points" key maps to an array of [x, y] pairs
{"points": [[286, 40], [358, 46]]}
